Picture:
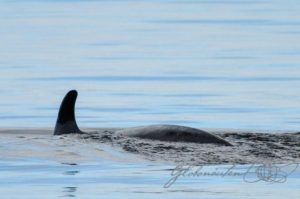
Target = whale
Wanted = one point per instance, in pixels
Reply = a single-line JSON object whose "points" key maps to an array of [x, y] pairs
{"points": [[66, 124]]}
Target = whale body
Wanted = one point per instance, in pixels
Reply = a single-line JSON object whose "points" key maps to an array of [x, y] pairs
{"points": [[66, 124]]}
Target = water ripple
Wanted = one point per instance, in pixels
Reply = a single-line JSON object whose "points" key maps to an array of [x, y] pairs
{"points": [[161, 78]]}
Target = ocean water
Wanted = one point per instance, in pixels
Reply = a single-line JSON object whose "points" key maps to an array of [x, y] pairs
{"points": [[200, 63], [96, 180]]}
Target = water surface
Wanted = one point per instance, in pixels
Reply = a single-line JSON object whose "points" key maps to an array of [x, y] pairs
{"points": [[213, 64], [200, 63]]}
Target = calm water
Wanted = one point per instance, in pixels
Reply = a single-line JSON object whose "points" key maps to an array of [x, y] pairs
{"points": [[201, 63], [21, 179], [215, 64]]}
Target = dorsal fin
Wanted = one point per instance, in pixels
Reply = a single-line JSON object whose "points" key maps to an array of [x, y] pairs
{"points": [[66, 122]]}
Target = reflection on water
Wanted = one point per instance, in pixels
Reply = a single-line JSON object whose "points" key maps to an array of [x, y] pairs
{"points": [[201, 63], [33, 178], [70, 192], [71, 172]]}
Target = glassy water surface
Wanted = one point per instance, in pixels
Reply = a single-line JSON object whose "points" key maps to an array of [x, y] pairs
{"points": [[200, 63], [20, 179], [212, 64]]}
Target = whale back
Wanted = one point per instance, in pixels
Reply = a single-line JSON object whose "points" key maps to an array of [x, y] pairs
{"points": [[173, 133], [66, 124]]}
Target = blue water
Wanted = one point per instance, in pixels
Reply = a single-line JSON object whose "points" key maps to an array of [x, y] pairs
{"points": [[21, 179], [200, 63], [210, 64]]}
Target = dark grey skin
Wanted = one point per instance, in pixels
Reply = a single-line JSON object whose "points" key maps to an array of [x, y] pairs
{"points": [[66, 124]]}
